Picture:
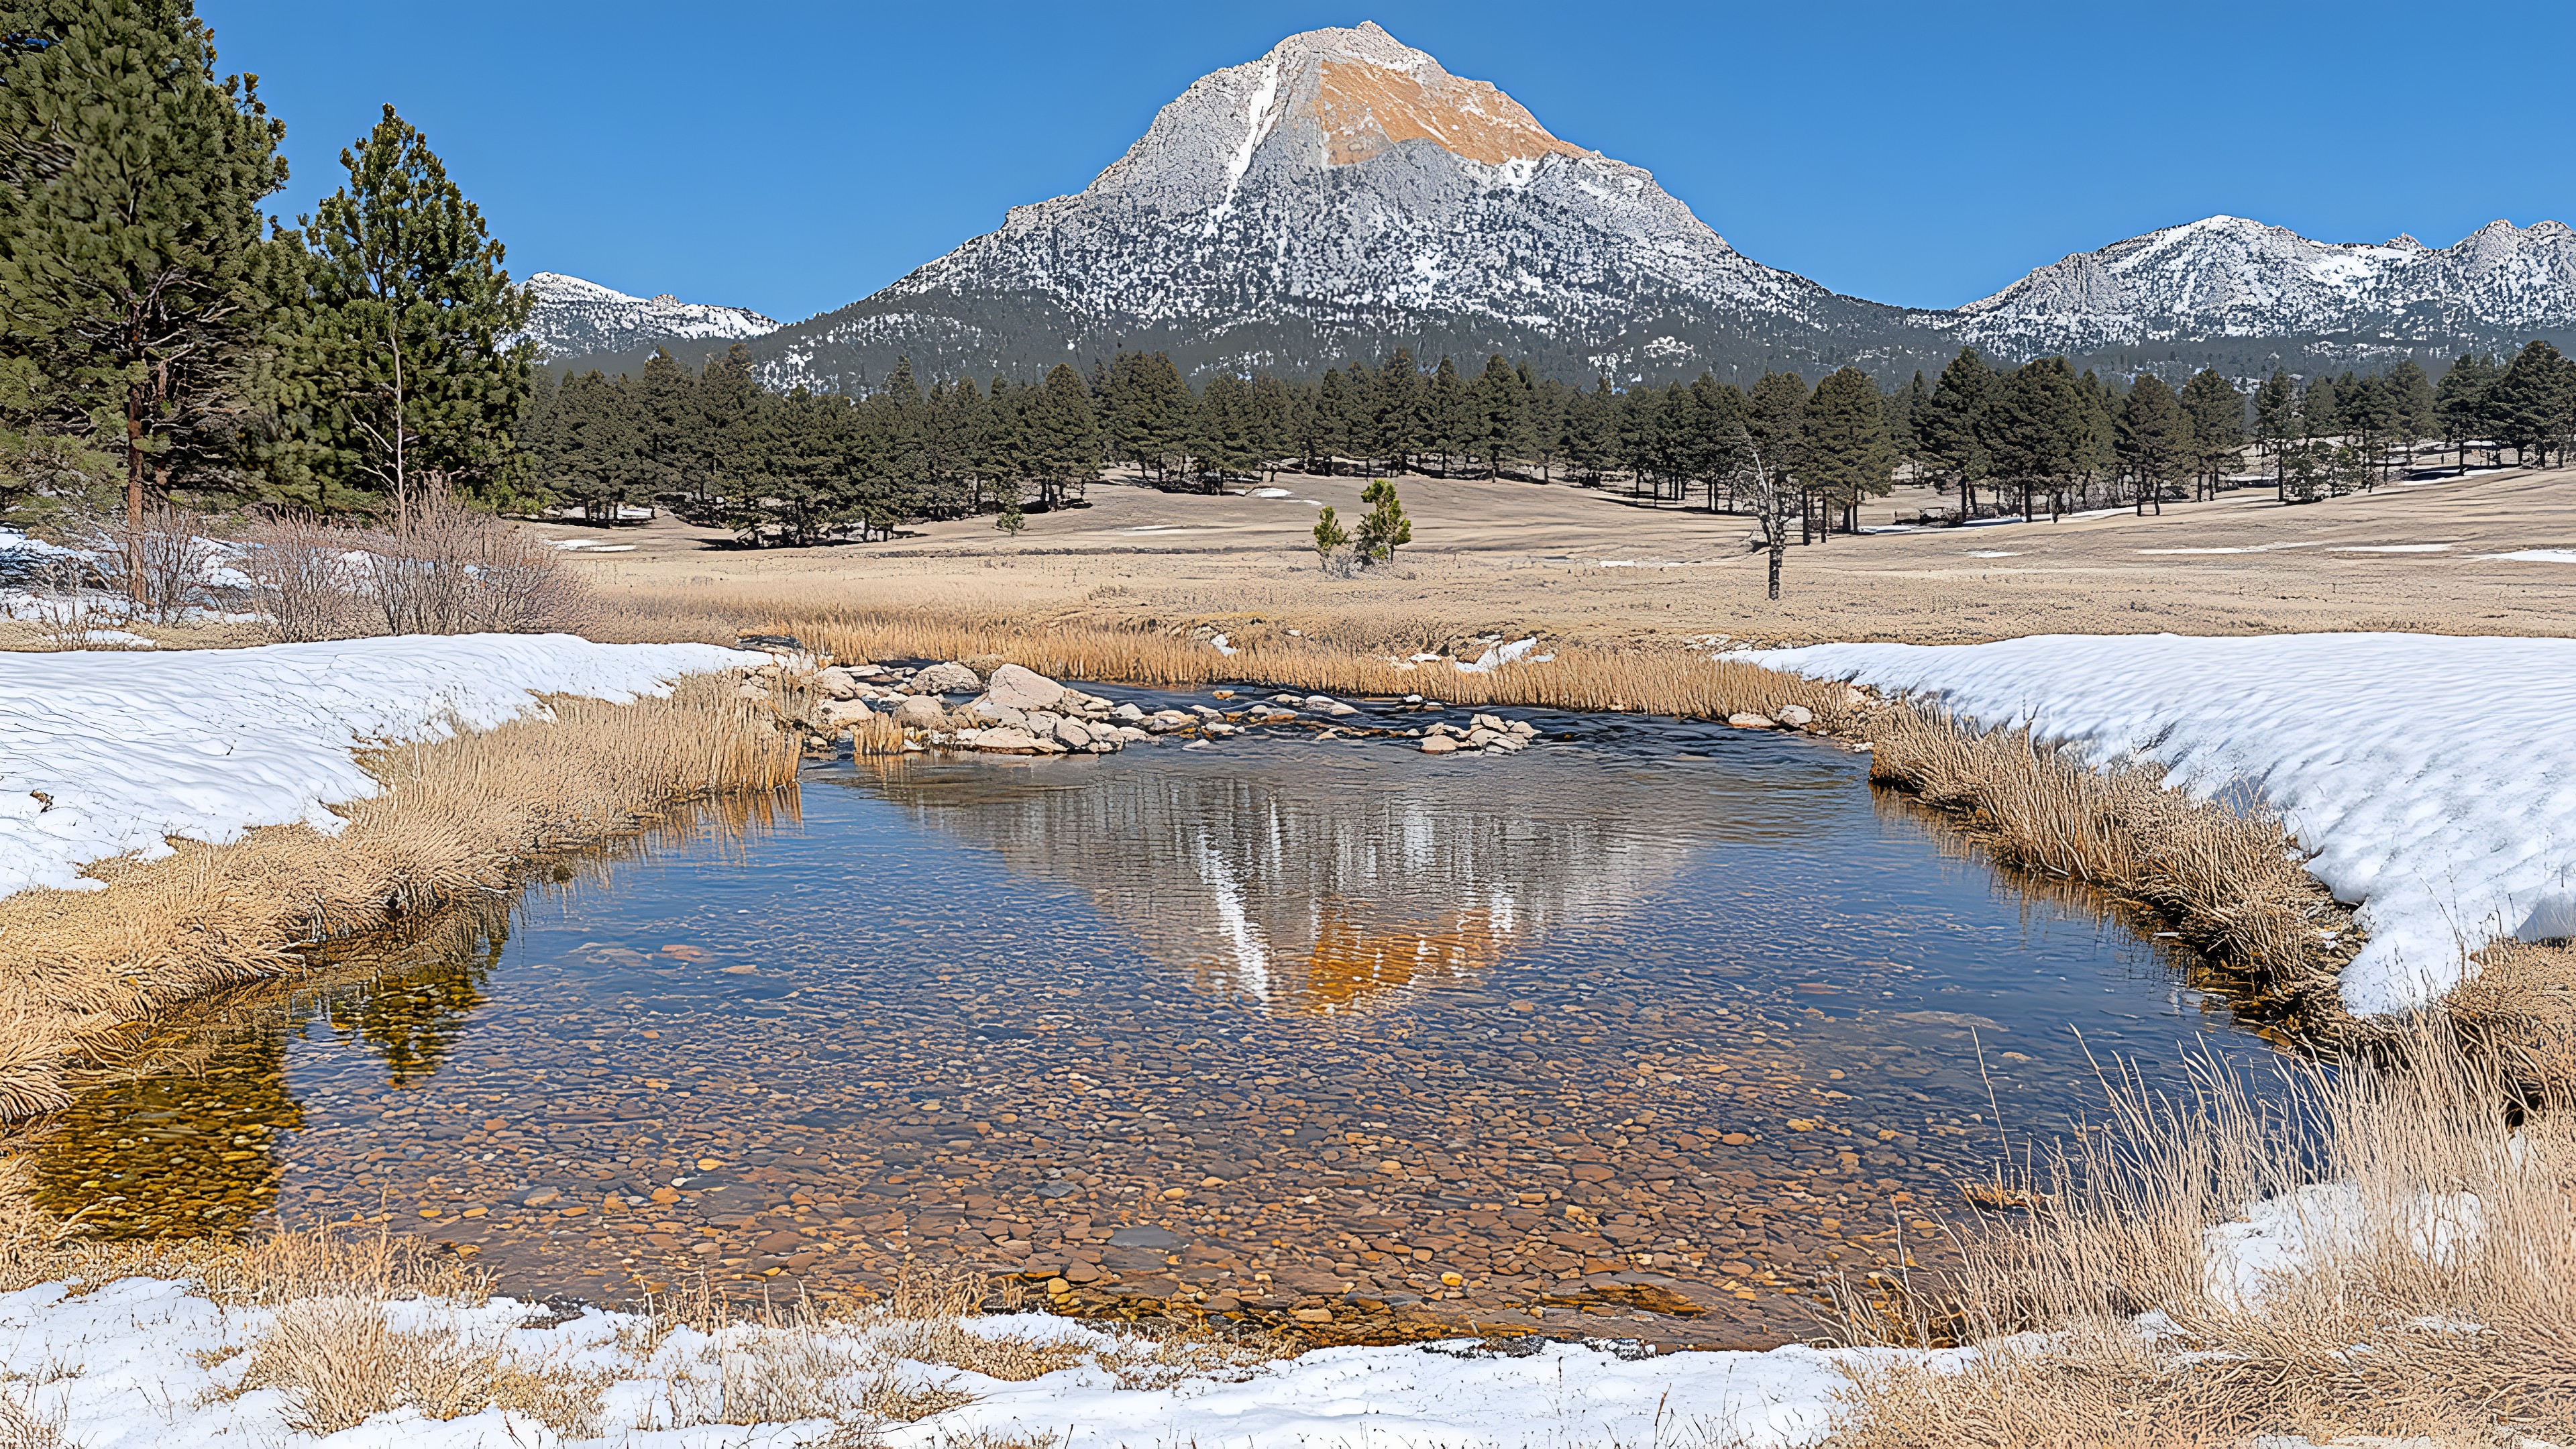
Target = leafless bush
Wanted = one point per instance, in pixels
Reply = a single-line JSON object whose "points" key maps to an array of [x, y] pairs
{"points": [[304, 576], [69, 603], [167, 561], [340, 1364], [447, 569]]}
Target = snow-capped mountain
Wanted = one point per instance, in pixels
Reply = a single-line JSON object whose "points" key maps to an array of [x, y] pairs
{"points": [[575, 318], [1338, 195], [1344, 195], [2226, 277]]}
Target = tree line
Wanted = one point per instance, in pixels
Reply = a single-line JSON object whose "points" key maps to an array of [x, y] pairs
{"points": [[161, 339]]}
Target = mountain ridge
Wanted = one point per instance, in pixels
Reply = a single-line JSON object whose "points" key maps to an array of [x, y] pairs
{"points": [[1344, 194]]}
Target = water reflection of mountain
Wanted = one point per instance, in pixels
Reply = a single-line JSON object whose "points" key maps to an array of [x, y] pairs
{"points": [[1321, 880]]}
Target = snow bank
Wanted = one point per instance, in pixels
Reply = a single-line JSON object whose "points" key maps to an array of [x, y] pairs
{"points": [[147, 1362], [2433, 777], [105, 753]]}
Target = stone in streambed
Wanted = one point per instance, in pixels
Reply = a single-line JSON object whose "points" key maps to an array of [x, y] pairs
{"points": [[842, 713], [1023, 689], [1795, 716], [836, 683], [948, 678], [1749, 721], [1439, 745], [920, 712], [1001, 740]]}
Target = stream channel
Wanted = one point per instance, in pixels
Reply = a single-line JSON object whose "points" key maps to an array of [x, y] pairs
{"points": [[1637, 1033]]}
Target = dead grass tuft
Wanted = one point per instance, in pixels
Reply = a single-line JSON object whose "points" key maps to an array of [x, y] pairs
{"points": [[2523, 1001], [2433, 1291], [341, 1363], [456, 818]]}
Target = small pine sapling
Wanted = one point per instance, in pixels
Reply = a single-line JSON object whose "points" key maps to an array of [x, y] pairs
{"points": [[1330, 537], [1385, 527]]}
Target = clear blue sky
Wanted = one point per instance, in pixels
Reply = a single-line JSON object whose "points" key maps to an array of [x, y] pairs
{"points": [[792, 157]]}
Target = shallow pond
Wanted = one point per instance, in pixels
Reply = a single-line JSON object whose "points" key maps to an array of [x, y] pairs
{"points": [[1642, 1030]]}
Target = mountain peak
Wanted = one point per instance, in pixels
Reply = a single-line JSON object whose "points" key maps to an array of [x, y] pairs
{"points": [[575, 317]]}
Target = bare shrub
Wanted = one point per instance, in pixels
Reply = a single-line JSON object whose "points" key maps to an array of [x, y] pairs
{"points": [[2423, 1278], [447, 569], [304, 577], [168, 561]]}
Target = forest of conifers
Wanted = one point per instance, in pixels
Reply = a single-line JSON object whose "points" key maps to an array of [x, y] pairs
{"points": [[162, 339]]}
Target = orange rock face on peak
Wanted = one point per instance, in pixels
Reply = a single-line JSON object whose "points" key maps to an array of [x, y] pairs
{"points": [[1364, 109]]}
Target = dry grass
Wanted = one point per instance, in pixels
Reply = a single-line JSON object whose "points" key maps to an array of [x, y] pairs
{"points": [[340, 1363], [2436, 1294], [456, 818], [2523, 1001], [2230, 880]]}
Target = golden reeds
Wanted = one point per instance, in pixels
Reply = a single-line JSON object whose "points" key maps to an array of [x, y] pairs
{"points": [[2424, 1278], [455, 817]]}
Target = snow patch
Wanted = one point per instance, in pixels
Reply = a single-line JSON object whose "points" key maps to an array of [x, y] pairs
{"points": [[2432, 777], [209, 743]]}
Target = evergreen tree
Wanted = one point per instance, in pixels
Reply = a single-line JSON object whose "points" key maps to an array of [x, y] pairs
{"points": [[1946, 427], [1445, 414], [2156, 443], [1775, 413], [2412, 393], [1063, 438], [2460, 402], [2217, 413], [2529, 406], [2032, 426], [2276, 422], [401, 378], [724, 436], [1843, 441], [135, 285], [1395, 410], [1330, 536], [1384, 527], [1499, 410]]}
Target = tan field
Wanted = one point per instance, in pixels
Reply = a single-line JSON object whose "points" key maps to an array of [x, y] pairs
{"points": [[1586, 566]]}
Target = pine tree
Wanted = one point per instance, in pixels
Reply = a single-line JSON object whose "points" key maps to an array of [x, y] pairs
{"points": [[1063, 438], [2412, 392], [2276, 422], [2529, 405], [134, 279], [1774, 413], [1498, 406], [1395, 410], [2460, 402], [1330, 537], [1384, 527], [2217, 413], [402, 368], [2156, 443], [1843, 441], [1947, 427], [2031, 428], [1447, 428]]}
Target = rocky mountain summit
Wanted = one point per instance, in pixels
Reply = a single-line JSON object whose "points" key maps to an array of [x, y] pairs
{"points": [[1338, 195], [575, 318]]}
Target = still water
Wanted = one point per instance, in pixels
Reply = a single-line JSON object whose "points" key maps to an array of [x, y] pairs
{"points": [[1640, 1031]]}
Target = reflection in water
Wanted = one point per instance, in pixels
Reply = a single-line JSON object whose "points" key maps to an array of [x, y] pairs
{"points": [[1658, 1020], [1319, 884]]}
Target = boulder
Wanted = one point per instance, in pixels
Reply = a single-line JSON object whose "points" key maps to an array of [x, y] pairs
{"points": [[1128, 714], [949, 678], [985, 709], [1524, 729], [1073, 734], [840, 714], [1165, 721], [1753, 721], [1024, 689], [836, 683], [1438, 745], [1001, 740], [920, 713], [1855, 698], [1795, 716]]}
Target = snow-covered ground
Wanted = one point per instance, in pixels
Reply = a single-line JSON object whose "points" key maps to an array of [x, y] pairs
{"points": [[2433, 777], [147, 1362], [102, 753]]}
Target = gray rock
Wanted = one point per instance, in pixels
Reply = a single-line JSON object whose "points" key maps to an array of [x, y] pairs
{"points": [[1753, 721], [1002, 740], [1024, 689], [949, 678], [842, 713], [920, 712], [836, 683], [986, 709], [1072, 733], [1128, 714], [1795, 716], [1439, 745]]}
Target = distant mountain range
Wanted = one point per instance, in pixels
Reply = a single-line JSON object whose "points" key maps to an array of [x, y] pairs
{"points": [[574, 318], [1345, 194]]}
